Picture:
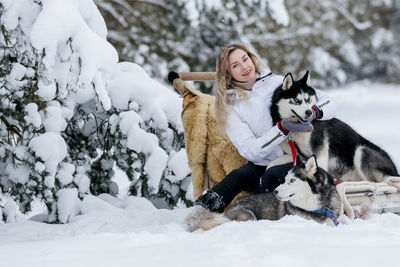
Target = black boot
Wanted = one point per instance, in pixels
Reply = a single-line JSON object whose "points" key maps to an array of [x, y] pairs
{"points": [[211, 201], [206, 212]]}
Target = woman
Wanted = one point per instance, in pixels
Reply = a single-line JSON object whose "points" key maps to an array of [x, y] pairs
{"points": [[244, 90]]}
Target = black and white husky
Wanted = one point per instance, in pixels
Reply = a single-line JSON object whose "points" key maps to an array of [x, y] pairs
{"points": [[308, 191], [339, 149]]}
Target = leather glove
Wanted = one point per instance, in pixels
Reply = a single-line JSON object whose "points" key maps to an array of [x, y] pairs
{"points": [[317, 113], [287, 126], [172, 75]]}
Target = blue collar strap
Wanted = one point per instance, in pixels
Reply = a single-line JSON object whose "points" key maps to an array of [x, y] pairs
{"points": [[328, 212]]}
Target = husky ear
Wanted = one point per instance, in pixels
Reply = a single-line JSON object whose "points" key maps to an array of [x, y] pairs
{"points": [[287, 82], [311, 166], [306, 78]]}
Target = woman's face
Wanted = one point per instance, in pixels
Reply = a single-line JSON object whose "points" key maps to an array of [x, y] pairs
{"points": [[241, 67]]}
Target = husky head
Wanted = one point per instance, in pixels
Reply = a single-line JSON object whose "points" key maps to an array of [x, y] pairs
{"points": [[293, 99], [306, 186]]}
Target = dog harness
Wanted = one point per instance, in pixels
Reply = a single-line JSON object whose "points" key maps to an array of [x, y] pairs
{"points": [[328, 212]]}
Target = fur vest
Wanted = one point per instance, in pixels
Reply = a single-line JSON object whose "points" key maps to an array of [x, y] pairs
{"points": [[211, 155]]}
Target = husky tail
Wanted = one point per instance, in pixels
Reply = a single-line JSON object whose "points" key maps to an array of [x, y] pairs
{"points": [[202, 218]]}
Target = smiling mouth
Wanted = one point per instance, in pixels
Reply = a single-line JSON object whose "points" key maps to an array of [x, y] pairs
{"points": [[300, 118], [246, 73]]}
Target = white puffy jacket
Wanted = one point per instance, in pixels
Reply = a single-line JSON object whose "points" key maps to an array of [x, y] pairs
{"points": [[249, 123]]}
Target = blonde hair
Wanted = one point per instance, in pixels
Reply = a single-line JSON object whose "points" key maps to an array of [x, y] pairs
{"points": [[224, 81]]}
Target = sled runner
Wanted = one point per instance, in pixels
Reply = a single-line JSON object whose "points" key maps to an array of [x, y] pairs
{"points": [[211, 155]]}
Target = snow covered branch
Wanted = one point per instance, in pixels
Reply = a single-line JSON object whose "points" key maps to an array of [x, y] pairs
{"points": [[79, 113]]}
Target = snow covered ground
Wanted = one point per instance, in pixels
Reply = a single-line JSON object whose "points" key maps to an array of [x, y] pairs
{"points": [[131, 232]]}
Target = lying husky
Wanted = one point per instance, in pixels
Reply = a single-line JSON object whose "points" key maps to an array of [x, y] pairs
{"points": [[308, 191], [339, 149]]}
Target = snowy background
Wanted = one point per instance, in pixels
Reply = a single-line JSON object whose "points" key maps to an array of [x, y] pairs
{"points": [[62, 83], [130, 231]]}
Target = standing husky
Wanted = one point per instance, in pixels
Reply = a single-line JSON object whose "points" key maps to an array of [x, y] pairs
{"points": [[340, 150], [308, 191]]}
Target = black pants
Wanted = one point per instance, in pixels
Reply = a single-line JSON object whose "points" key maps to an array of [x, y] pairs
{"points": [[247, 178]]}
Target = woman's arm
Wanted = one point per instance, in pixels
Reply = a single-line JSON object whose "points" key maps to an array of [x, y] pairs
{"points": [[252, 148]]}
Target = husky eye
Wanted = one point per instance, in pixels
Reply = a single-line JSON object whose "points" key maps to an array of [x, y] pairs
{"points": [[297, 101], [292, 180], [308, 100]]}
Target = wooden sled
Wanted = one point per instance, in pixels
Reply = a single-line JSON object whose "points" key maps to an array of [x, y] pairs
{"points": [[361, 198], [211, 155]]}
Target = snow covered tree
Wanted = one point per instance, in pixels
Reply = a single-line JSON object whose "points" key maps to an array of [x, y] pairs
{"points": [[23, 174], [63, 126]]}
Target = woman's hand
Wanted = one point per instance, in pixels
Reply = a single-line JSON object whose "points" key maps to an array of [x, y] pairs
{"points": [[287, 126]]}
